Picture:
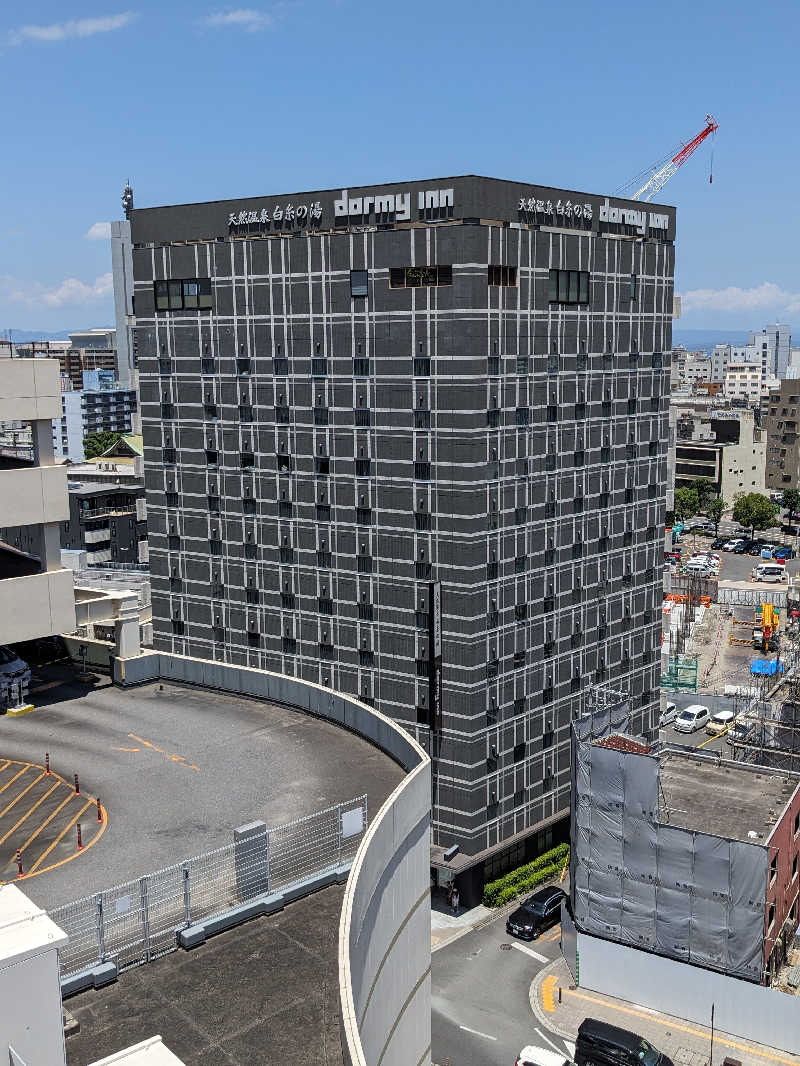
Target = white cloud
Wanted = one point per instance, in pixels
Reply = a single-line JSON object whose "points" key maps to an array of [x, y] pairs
{"points": [[62, 31], [765, 295], [99, 231], [69, 292], [243, 18]]}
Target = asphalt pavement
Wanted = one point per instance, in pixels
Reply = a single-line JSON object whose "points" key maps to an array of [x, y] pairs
{"points": [[177, 769], [481, 1011]]}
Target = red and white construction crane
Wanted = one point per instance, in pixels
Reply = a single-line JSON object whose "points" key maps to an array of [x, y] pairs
{"points": [[661, 172]]}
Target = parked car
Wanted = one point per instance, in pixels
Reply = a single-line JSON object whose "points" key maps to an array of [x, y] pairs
{"points": [[740, 548], [668, 715], [718, 542], [771, 572], [537, 913], [792, 531], [729, 545], [784, 553], [719, 722], [692, 718], [699, 566], [756, 548], [601, 1044], [539, 1056]]}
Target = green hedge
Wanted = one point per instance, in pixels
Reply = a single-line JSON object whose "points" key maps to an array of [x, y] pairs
{"points": [[526, 877]]}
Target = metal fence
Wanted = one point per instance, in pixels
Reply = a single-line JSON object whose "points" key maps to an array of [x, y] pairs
{"points": [[139, 921]]}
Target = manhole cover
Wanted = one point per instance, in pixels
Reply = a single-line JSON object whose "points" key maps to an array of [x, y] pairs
{"points": [[505, 947]]}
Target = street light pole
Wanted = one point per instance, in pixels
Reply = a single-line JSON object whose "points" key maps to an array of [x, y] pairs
{"points": [[711, 1056]]}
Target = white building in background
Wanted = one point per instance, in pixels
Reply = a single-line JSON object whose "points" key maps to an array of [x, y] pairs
{"points": [[793, 369], [743, 382], [97, 408], [773, 344], [724, 354]]}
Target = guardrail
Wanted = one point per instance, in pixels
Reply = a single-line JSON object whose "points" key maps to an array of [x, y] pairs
{"points": [[141, 920]]}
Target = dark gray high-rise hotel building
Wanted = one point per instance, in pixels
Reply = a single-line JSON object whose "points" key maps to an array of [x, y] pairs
{"points": [[409, 441]]}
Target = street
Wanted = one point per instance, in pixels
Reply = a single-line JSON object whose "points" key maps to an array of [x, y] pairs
{"points": [[481, 1013]]}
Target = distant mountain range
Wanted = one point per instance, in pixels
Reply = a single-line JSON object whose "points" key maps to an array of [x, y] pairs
{"points": [[696, 339], [22, 336]]}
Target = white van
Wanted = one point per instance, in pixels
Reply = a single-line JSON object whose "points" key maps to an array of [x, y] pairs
{"points": [[691, 718], [539, 1056], [768, 572]]}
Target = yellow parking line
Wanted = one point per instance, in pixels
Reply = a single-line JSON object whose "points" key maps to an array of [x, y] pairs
{"points": [[27, 766], [548, 1000], [671, 1024], [16, 799], [29, 812], [47, 822], [75, 854], [63, 832]]}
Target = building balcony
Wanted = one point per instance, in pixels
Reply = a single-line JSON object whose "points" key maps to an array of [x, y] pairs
{"points": [[34, 495], [36, 605], [97, 536]]}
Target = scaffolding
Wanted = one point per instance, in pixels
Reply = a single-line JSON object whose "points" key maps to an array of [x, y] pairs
{"points": [[679, 673], [767, 725]]}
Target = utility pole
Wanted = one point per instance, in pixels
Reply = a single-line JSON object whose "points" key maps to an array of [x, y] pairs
{"points": [[711, 1056]]}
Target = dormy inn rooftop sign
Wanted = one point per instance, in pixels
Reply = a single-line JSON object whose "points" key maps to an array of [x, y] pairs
{"points": [[396, 205], [531, 208], [431, 204]]}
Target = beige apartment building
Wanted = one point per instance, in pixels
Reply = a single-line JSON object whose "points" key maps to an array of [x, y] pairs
{"points": [[725, 447], [36, 594], [783, 441]]}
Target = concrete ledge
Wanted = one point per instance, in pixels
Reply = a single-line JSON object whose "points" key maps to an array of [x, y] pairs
{"points": [[103, 973]]}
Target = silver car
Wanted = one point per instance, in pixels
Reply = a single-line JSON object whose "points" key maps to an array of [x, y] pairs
{"points": [[668, 715]]}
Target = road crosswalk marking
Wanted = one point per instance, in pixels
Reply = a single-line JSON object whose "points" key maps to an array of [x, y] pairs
{"points": [[529, 951]]}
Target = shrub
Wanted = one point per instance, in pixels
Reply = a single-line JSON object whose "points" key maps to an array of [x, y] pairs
{"points": [[526, 877]]}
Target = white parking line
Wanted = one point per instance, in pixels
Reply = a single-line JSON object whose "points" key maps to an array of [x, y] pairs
{"points": [[476, 1032], [541, 1036], [529, 951]]}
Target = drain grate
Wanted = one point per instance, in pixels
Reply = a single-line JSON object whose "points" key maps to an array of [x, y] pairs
{"points": [[505, 947]]}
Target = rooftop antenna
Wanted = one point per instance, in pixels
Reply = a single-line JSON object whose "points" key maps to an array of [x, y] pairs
{"points": [[127, 198]]}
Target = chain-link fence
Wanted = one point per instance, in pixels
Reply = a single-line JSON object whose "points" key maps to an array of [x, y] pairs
{"points": [[139, 921]]}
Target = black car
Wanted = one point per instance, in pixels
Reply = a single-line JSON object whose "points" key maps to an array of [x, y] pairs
{"points": [[536, 914], [756, 548], [601, 1044], [718, 542], [740, 549]]}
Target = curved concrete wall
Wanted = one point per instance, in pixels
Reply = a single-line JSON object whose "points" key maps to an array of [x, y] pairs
{"points": [[385, 924]]}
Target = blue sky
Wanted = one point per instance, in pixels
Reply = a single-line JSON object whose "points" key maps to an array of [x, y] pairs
{"points": [[204, 101]]}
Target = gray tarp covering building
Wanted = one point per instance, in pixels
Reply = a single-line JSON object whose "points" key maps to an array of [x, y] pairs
{"points": [[639, 878]]}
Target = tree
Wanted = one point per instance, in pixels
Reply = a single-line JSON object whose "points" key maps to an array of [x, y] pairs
{"points": [[97, 443], [791, 501], [686, 503], [715, 509], [706, 490], [755, 510]]}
